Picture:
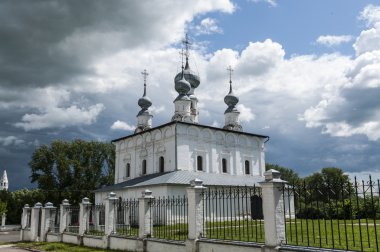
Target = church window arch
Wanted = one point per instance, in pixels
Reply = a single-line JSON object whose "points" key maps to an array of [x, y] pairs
{"points": [[224, 165], [161, 164], [247, 167], [128, 170], [199, 163], [144, 167]]}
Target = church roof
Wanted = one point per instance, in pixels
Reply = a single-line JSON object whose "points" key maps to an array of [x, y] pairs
{"points": [[195, 125], [184, 178]]}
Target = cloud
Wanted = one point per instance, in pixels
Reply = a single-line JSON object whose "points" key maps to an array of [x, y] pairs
{"points": [[246, 114], [333, 40], [120, 125], [11, 140], [371, 14], [61, 117], [207, 26], [272, 3]]}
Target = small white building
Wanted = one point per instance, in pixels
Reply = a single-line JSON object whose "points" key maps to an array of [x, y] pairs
{"points": [[164, 159], [4, 181]]}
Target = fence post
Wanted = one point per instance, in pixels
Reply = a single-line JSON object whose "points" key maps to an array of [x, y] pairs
{"points": [[24, 220], [35, 222], [110, 214], [273, 208], [45, 220], [83, 215], [195, 208], [64, 211], [145, 218]]}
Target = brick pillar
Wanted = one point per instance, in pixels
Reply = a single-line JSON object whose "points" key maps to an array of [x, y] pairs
{"points": [[273, 208], [110, 208], [195, 208], [64, 212], [35, 222], [84, 208], [45, 220], [145, 218]]}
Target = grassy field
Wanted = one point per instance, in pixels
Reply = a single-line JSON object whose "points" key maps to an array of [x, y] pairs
{"points": [[59, 247], [340, 234]]}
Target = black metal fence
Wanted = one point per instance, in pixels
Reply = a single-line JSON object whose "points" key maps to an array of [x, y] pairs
{"points": [[72, 219], [169, 218], [54, 220], [233, 213], [127, 217], [340, 214], [96, 220]]}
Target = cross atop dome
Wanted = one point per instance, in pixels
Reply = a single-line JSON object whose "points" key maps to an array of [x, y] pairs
{"points": [[144, 117], [232, 113]]}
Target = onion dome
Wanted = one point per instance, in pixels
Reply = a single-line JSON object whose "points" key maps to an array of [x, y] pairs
{"points": [[231, 100], [144, 102], [182, 86], [189, 75]]}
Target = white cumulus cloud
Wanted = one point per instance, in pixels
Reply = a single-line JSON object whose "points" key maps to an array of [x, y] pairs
{"points": [[333, 40], [207, 26], [11, 140], [272, 3], [120, 125]]}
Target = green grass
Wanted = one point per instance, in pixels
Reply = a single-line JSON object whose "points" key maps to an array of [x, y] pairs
{"points": [[338, 234], [58, 247]]}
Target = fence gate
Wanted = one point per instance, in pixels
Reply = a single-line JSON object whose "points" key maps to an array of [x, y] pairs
{"points": [[256, 207]]}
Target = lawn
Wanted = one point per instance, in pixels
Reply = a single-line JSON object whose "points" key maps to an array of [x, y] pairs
{"points": [[59, 247]]}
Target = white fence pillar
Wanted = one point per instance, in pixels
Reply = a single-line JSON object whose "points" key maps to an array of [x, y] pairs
{"points": [[145, 217], [84, 209], [195, 208], [3, 218], [35, 222], [63, 212], [45, 220], [25, 220], [110, 214], [273, 208]]}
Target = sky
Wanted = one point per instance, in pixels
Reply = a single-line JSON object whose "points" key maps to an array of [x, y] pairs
{"points": [[307, 74]]}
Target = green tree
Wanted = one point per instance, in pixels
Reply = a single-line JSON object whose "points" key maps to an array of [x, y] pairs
{"points": [[287, 174], [3, 208], [72, 169]]}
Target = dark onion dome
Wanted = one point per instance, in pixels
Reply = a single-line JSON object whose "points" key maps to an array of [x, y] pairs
{"points": [[190, 76], [231, 100], [182, 86], [144, 102]]}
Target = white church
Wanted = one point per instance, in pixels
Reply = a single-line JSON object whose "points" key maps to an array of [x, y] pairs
{"points": [[4, 181], [165, 158]]}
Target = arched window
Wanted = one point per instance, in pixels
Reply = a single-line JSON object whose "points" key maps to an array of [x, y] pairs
{"points": [[199, 163], [128, 170], [144, 167], [246, 166], [224, 165], [162, 164]]}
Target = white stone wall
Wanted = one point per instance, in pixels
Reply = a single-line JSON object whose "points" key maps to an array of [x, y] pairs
{"points": [[149, 146], [214, 145]]}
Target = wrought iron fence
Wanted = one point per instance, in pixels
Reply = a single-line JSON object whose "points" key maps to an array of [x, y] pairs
{"points": [[233, 213], [339, 215], [169, 218], [54, 220], [72, 219], [96, 220], [127, 217]]}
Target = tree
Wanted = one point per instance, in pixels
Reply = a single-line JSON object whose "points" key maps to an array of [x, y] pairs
{"points": [[287, 174], [72, 169]]}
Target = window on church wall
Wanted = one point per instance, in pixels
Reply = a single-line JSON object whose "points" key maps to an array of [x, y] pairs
{"points": [[199, 163], [161, 164], [246, 167], [144, 167], [224, 165], [128, 170]]}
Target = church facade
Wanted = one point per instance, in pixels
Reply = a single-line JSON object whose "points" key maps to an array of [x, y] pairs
{"points": [[166, 158]]}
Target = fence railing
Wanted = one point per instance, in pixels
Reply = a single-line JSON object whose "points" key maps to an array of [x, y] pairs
{"points": [[169, 217], [96, 220], [233, 213], [73, 219], [127, 217], [339, 215]]}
